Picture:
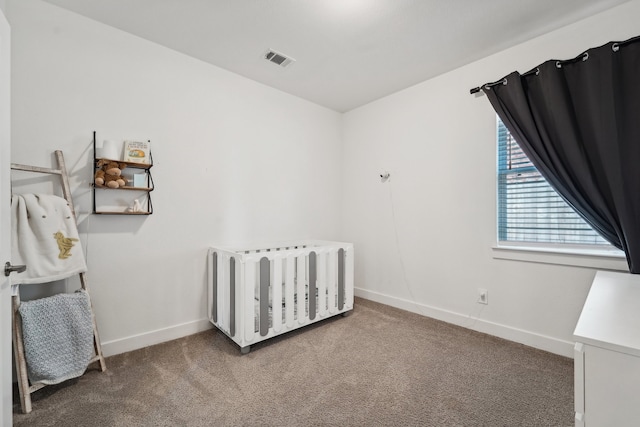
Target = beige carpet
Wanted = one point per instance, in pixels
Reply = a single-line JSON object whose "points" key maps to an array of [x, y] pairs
{"points": [[378, 367]]}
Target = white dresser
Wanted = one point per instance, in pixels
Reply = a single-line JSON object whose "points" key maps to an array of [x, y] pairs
{"points": [[607, 353]]}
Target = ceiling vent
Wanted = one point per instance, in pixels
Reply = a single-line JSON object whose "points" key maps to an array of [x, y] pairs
{"points": [[278, 58]]}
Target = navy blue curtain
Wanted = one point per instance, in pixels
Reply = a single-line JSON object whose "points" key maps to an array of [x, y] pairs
{"points": [[578, 121]]}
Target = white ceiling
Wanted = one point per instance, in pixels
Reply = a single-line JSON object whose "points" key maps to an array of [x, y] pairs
{"points": [[348, 52]]}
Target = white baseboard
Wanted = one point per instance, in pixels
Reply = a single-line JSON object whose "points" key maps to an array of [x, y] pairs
{"points": [[135, 342], [542, 342], [532, 339]]}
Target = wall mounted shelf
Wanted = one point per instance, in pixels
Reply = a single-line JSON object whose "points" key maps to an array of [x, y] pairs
{"points": [[105, 201]]}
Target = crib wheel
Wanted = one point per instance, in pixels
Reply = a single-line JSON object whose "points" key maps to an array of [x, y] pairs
{"points": [[346, 313], [245, 350]]}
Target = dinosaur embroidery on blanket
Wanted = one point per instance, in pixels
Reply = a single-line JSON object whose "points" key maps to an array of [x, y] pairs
{"points": [[64, 244]]}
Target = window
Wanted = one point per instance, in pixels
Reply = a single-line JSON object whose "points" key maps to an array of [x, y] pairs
{"points": [[529, 210]]}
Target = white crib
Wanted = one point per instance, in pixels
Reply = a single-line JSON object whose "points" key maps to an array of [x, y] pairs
{"points": [[258, 293]]}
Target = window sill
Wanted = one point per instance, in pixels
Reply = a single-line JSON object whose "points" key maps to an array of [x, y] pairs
{"points": [[601, 259]]}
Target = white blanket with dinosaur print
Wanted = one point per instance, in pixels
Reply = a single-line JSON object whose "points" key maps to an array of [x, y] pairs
{"points": [[44, 238]]}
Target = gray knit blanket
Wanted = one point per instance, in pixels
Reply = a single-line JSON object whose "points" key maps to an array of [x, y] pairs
{"points": [[58, 337]]}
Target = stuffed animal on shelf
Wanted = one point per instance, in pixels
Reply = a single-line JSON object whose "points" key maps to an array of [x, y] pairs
{"points": [[110, 174]]}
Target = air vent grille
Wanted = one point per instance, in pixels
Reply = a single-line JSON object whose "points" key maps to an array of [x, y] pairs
{"points": [[278, 58]]}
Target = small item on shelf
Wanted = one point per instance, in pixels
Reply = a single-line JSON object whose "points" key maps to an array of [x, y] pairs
{"points": [[137, 207], [110, 174], [139, 179], [137, 152], [111, 150]]}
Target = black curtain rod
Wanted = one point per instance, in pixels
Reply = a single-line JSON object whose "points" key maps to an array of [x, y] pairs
{"points": [[488, 85], [583, 56], [503, 81]]}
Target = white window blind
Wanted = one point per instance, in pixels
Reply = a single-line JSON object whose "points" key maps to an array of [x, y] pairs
{"points": [[529, 210]]}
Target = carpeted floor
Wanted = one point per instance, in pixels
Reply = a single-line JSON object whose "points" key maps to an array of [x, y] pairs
{"points": [[378, 367]]}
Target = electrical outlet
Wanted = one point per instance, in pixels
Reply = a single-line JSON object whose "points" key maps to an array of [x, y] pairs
{"points": [[483, 296]]}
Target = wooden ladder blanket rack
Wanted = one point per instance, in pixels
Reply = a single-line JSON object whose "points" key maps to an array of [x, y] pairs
{"points": [[18, 343]]}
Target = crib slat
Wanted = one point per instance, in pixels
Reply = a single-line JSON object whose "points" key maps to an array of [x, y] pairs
{"points": [[213, 272], [232, 296], [322, 283], [313, 275], [332, 259], [223, 319], [340, 279], [265, 275], [301, 278], [348, 291], [249, 300], [276, 303], [289, 290]]}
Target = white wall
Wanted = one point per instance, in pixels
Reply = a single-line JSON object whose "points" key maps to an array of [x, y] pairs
{"points": [[438, 142], [234, 162]]}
